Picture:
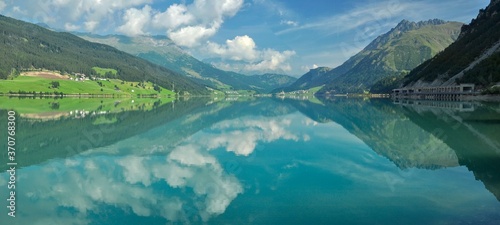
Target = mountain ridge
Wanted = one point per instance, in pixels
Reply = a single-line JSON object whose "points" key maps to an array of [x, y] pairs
{"points": [[398, 51], [391, 54], [473, 58], [162, 51]]}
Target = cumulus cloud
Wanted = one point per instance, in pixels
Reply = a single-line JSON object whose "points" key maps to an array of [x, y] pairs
{"points": [[196, 21], [93, 14], [249, 59], [240, 48], [272, 60], [202, 19], [135, 21], [186, 24], [175, 16], [191, 36]]}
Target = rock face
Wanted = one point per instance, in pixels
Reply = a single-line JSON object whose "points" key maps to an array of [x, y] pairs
{"points": [[473, 58]]}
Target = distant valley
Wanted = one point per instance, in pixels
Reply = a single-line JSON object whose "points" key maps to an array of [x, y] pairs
{"points": [[164, 52]]}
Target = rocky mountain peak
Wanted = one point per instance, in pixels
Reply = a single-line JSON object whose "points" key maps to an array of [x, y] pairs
{"points": [[406, 25]]}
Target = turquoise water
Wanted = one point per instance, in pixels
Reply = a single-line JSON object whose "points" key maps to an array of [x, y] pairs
{"points": [[266, 161]]}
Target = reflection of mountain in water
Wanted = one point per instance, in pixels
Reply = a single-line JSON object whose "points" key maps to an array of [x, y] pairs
{"points": [[180, 182], [40, 140], [386, 130], [423, 135], [473, 135]]}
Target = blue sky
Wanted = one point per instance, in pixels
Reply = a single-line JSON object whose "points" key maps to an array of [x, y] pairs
{"points": [[248, 36]]}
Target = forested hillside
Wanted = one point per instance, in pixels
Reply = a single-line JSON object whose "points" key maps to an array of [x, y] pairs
{"points": [[27, 46], [473, 58]]}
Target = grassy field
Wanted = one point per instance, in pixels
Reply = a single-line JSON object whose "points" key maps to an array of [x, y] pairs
{"points": [[108, 87], [103, 71], [315, 89], [51, 105]]}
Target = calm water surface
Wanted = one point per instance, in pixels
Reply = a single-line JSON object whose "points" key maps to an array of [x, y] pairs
{"points": [[266, 161]]}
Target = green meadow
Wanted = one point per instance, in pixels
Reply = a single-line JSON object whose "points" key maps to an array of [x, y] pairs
{"points": [[103, 71], [70, 87]]}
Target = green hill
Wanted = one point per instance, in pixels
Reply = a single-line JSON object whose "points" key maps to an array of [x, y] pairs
{"points": [[164, 52], [398, 51], [109, 87], [26, 46], [314, 78], [473, 58]]}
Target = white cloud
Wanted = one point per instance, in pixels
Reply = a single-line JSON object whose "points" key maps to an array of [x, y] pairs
{"points": [[191, 36], [307, 68], [272, 60], [135, 21], [240, 48], [244, 50], [93, 14], [290, 22], [91, 25], [71, 27], [189, 25], [175, 16]]}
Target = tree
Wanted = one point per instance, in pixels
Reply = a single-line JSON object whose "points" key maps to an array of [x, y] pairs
{"points": [[55, 84]]}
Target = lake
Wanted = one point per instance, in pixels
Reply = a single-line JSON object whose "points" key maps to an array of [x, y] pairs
{"points": [[254, 161]]}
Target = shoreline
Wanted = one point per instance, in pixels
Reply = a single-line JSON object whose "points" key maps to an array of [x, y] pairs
{"points": [[86, 95]]}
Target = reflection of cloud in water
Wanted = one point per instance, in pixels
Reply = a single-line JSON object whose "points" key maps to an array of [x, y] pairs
{"points": [[241, 136], [131, 183]]}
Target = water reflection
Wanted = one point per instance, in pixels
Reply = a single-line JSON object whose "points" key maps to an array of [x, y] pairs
{"points": [[66, 136], [422, 134], [387, 130], [187, 184], [266, 161]]}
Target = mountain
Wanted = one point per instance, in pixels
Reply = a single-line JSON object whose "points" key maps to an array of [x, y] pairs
{"points": [[28, 46], [270, 81], [164, 52], [473, 58], [314, 78], [398, 51]]}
